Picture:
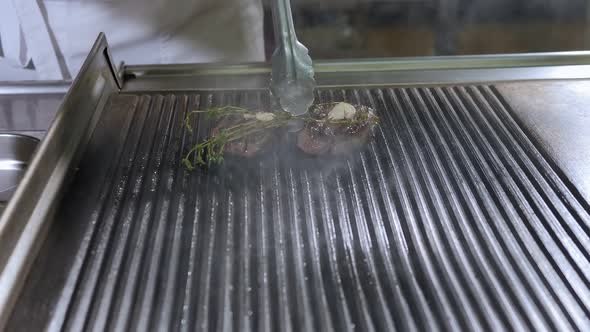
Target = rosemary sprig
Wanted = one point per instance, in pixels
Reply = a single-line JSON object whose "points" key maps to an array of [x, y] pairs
{"points": [[214, 112], [211, 150]]}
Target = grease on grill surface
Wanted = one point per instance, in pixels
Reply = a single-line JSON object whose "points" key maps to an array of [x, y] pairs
{"points": [[450, 219]]}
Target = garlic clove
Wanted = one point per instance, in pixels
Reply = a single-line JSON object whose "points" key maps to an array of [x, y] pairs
{"points": [[342, 111], [265, 116]]}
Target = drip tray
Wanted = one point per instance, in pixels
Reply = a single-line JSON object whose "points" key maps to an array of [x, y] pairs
{"points": [[453, 217]]}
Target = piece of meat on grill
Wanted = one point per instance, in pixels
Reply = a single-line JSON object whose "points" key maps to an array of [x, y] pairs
{"points": [[248, 146], [336, 128]]}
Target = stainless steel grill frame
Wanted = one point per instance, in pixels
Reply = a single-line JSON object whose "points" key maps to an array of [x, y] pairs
{"points": [[453, 218]]}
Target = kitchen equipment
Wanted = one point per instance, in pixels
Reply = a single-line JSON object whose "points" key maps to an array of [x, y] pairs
{"points": [[292, 69], [464, 212], [15, 153]]}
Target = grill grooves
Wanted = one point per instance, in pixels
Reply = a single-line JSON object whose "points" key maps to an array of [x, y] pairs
{"points": [[451, 219]]}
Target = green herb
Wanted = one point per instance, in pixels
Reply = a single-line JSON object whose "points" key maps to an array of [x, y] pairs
{"points": [[210, 151], [214, 112]]}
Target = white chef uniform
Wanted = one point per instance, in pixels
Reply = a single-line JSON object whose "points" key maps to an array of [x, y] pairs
{"points": [[56, 35]]}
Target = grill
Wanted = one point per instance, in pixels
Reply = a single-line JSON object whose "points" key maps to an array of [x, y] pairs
{"points": [[452, 218]]}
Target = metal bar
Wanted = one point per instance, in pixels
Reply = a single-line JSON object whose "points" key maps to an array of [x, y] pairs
{"points": [[360, 78], [34, 87], [382, 64]]}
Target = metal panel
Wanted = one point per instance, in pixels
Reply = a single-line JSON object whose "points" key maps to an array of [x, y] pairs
{"points": [[28, 112], [370, 72], [558, 113], [378, 64], [452, 218], [34, 87], [15, 154], [27, 216], [357, 78]]}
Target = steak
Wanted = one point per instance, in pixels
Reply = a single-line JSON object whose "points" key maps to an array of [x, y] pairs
{"points": [[325, 134]]}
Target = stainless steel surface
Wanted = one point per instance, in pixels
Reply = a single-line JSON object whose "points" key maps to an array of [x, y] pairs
{"points": [[456, 62], [558, 114], [452, 218], [354, 77], [375, 72], [29, 213], [456, 216], [34, 87], [28, 108], [29, 114], [15, 153], [292, 69], [372, 65]]}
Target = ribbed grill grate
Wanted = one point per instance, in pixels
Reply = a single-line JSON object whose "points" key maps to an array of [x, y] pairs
{"points": [[451, 219]]}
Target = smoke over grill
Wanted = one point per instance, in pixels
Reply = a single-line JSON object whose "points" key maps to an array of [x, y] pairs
{"points": [[446, 219]]}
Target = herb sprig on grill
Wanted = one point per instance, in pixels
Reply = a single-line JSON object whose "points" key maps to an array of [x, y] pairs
{"points": [[211, 150]]}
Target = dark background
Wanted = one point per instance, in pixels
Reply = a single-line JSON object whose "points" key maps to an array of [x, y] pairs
{"points": [[375, 28]]}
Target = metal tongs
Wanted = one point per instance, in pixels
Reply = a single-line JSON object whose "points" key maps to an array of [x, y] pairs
{"points": [[292, 69]]}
